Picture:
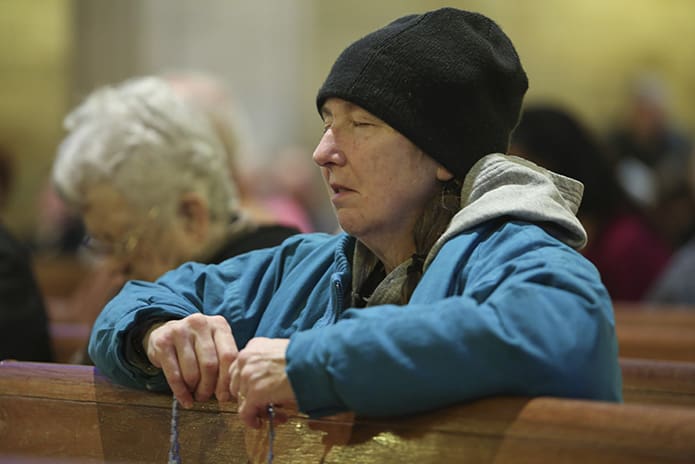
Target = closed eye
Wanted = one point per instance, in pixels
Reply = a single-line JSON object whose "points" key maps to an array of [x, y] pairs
{"points": [[327, 123]]}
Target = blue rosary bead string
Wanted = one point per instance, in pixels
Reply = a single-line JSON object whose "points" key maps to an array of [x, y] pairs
{"points": [[174, 455], [271, 432]]}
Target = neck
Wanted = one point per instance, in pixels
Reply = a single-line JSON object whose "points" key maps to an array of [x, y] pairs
{"points": [[391, 251]]}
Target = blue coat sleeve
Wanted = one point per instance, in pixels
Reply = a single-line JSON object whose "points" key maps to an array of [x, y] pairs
{"points": [[505, 312], [238, 289]]}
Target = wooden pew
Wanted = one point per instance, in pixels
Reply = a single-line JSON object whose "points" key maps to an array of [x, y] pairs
{"points": [[66, 413], [646, 312], [654, 332], [650, 381]]}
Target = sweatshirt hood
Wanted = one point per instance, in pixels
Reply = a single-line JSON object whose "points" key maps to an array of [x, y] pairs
{"points": [[508, 186]]}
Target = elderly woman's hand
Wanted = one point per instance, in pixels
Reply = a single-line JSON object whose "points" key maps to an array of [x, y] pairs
{"points": [[258, 378], [195, 354]]}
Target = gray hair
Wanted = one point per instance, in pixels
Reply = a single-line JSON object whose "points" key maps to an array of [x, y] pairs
{"points": [[145, 141]]}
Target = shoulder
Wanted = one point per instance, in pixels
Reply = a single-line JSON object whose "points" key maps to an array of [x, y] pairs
{"points": [[505, 235], [511, 245], [511, 259]]}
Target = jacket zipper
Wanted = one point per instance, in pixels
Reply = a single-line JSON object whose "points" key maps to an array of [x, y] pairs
{"points": [[338, 297]]}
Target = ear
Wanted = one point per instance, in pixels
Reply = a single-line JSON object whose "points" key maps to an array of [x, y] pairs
{"points": [[193, 213], [443, 174]]}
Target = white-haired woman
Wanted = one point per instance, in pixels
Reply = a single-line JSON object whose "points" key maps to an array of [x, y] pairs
{"points": [[150, 177], [424, 301]]}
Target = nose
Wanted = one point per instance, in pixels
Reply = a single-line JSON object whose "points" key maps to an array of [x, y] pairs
{"points": [[328, 151]]}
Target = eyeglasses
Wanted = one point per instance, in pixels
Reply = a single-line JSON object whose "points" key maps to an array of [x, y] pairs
{"points": [[126, 246]]}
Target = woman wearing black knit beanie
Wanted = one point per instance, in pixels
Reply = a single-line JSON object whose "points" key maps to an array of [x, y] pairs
{"points": [[457, 275]]}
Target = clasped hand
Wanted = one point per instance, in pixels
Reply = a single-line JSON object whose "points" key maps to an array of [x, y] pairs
{"points": [[199, 358]]}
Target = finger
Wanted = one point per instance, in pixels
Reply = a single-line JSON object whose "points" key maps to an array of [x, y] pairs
{"points": [[159, 345], [234, 378], [241, 374], [249, 413], [208, 365], [280, 417], [188, 362], [226, 354], [172, 373], [155, 343]]}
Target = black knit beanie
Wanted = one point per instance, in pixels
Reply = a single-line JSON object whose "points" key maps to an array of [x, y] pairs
{"points": [[448, 80]]}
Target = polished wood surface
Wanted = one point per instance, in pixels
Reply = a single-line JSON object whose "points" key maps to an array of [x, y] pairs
{"points": [[658, 382], [655, 332], [72, 412], [645, 311]]}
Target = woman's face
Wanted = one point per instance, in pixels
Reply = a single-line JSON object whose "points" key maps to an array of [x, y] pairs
{"points": [[378, 181], [133, 240]]}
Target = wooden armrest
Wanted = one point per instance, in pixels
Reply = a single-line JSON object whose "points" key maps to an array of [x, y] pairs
{"points": [[66, 411]]}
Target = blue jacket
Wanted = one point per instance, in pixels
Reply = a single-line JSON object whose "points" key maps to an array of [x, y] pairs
{"points": [[505, 307]]}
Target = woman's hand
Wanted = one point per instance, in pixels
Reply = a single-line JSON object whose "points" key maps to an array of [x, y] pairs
{"points": [[258, 378], [195, 354]]}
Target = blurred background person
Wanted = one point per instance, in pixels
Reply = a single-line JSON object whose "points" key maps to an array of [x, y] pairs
{"points": [[292, 190], [677, 283], [623, 244], [651, 156], [23, 322], [150, 177]]}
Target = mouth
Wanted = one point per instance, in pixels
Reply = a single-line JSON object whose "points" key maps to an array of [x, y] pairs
{"points": [[339, 193], [338, 188]]}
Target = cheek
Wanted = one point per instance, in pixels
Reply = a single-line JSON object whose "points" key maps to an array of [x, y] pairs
{"points": [[151, 266], [325, 175], [412, 195], [400, 202], [143, 269], [155, 256]]}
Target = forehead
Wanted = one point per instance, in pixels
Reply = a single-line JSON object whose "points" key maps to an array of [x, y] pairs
{"points": [[334, 106]]}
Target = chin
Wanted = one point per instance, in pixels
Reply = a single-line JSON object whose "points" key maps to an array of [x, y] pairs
{"points": [[346, 227], [357, 222], [351, 228]]}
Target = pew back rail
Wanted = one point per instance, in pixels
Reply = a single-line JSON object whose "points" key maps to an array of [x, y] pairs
{"points": [[72, 412]]}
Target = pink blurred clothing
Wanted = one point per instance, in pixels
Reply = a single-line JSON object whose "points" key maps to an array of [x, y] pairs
{"points": [[630, 256]]}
